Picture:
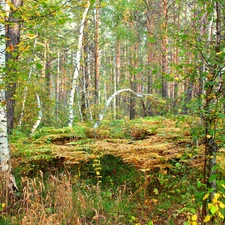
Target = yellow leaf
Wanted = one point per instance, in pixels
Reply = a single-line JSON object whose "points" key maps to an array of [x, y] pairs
{"points": [[208, 136], [206, 196], [221, 215], [31, 36], [207, 219], [97, 173], [223, 185], [3, 205], [217, 195], [222, 206], [219, 53], [194, 218], [194, 223], [103, 4]]}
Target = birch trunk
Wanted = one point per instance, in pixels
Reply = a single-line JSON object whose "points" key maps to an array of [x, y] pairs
{"points": [[5, 164], [40, 115], [4, 146], [101, 116], [77, 66]]}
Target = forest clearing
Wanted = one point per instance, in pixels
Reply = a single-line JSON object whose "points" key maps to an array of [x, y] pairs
{"points": [[112, 112]]}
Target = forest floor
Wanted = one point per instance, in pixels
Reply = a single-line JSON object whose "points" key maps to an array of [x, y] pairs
{"points": [[155, 159]]}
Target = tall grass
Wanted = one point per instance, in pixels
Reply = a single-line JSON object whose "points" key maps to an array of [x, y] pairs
{"points": [[62, 199]]}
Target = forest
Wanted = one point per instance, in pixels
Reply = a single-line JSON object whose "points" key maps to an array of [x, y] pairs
{"points": [[112, 112]]}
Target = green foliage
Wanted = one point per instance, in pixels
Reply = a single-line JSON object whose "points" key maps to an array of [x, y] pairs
{"points": [[103, 185], [50, 133]]}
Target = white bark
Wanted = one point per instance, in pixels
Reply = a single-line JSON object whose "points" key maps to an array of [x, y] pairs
{"points": [[40, 115], [112, 97], [5, 164], [77, 66], [4, 146]]}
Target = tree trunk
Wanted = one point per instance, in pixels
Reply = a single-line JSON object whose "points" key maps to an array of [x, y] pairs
{"points": [[39, 114], [116, 75], [165, 50], [109, 100], [84, 100], [5, 163], [149, 26], [134, 63], [12, 55], [77, 66], [97, 58]]}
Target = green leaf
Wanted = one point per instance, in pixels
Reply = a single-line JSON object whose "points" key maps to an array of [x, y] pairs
{"points": [[213, 177], [38, 66], [193, 211], [213, 209], [156, 191], [199, 184]]}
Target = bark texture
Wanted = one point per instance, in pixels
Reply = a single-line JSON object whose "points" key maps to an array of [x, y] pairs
{"points": [[77, 66], [12, 55]]}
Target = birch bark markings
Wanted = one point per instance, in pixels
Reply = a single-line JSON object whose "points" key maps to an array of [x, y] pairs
{"points": [[5, 164], [77, 66], [4, 146]]}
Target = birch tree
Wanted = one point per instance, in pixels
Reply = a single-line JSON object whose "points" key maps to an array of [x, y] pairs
{"points": [[77, 65], [109, 100], [5, 165], [40, 115]]}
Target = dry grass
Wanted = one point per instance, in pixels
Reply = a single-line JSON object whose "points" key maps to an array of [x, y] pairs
{"points": [[62, 200], [47, 203], [160, 142]]}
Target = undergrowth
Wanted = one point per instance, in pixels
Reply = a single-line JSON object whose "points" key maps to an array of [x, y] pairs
{"points": [[86, 176]]}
